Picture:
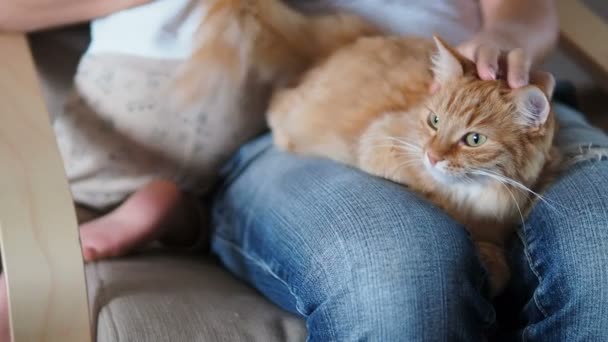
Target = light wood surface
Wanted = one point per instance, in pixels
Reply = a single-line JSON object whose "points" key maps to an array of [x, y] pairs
{"points": [[585, 36], [38, 229]]}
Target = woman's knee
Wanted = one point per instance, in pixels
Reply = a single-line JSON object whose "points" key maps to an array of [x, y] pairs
{"points": [[407, 276], [566, 237]]}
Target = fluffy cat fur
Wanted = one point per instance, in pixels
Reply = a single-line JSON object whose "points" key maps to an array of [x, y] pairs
{"points": [[248, 43], [365, 101]]}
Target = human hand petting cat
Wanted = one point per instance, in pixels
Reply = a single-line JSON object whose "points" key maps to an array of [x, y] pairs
{"points": [[496, 57], [516, 35]]}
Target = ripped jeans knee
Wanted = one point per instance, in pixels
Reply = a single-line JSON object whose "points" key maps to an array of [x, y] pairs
{"points": [[577, 140]]}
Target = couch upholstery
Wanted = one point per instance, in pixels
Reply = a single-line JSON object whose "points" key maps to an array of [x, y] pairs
{"points": [[171, 297]]}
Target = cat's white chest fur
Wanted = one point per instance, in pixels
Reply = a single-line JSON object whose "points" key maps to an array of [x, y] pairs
{"points": [[483, 201]]}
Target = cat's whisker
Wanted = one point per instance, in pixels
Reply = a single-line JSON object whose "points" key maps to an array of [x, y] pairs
{"points": [[415, 152], [398, 143], [383, 145], [522, 187], [405, 164], [408, 153], [397, 139], [507, 180], [397, 146], [523, 221], [379, 138], [400, 150], [405, 143], [409, 145], [504, 182]]}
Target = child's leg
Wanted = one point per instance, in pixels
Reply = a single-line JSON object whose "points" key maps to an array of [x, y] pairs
{"points": [[158, 210]]}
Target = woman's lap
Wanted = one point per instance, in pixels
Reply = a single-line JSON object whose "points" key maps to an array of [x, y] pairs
{"points": [[357, 256], [360, 257]]}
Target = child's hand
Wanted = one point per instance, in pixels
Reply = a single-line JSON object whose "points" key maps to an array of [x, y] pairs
{"points": [[497, 57]]}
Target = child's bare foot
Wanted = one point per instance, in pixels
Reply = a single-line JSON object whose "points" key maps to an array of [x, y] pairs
{"points": [[147, 215], [5, 332]]}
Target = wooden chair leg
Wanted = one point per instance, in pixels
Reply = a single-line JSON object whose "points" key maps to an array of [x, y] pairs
{"points": [[38, 230]]}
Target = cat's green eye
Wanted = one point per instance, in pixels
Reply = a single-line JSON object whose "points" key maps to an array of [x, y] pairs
{"points": [[475, 139], [433, 120]]}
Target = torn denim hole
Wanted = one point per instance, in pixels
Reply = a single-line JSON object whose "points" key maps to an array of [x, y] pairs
{"points": [[583, 153]]}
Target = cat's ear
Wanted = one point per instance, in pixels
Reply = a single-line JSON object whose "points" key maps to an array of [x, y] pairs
{"points": [[543, 80], [532, 106], [447, 62]]}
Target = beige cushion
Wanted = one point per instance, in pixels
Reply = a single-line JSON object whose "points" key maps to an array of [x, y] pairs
{"points": [[161, 297]]}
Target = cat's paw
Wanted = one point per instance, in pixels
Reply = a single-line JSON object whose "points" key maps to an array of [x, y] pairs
{"points": [[494, 260]]}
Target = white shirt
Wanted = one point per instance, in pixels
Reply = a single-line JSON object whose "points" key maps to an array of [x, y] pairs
{"points": [[164, 29], [453, 20]]}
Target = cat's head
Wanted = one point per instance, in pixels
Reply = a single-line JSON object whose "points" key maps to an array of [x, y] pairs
{"points": [[474, 130]]}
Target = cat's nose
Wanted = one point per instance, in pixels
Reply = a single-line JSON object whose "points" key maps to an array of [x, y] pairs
{"points": [[433, 159]]}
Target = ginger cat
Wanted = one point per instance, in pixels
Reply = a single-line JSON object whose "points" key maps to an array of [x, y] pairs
{"points": [[474, 148]]}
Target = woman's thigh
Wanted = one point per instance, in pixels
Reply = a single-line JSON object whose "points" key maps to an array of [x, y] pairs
{"points": [[358, 257]]}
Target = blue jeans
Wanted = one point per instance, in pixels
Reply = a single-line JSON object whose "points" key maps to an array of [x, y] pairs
{"points": [[361, 258]]}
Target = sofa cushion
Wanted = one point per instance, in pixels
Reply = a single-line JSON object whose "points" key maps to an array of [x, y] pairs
{"points": [[162, 297]]}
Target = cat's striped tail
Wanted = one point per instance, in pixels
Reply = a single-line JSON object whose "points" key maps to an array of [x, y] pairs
{"points": [[261, 40]]}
